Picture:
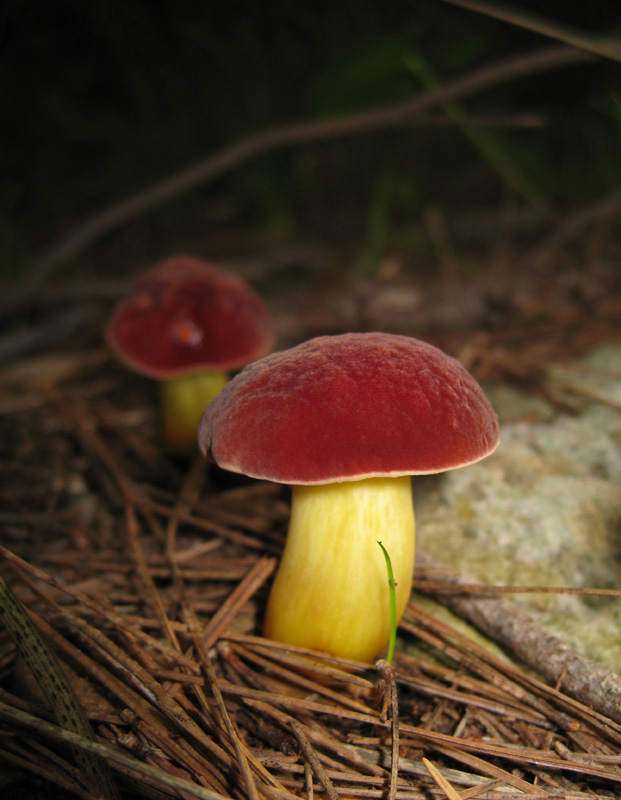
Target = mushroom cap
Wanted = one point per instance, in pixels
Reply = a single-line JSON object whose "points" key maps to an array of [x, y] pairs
{"points": [[186, 315], [348, 407]]}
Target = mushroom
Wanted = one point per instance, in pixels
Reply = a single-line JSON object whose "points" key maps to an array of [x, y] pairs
{"points": [[346, 420], [188, 323]]}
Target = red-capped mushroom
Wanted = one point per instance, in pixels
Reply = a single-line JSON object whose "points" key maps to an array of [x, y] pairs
{"points": [[347, 420], [188, 323]]}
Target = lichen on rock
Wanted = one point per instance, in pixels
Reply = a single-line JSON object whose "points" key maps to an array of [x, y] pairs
{"points": [[545, 509]]}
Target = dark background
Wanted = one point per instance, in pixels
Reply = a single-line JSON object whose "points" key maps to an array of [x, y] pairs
{"points": [[103, 99]]}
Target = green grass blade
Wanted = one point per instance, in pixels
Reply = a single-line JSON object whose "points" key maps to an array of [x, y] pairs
{"points": [[393, 606]]}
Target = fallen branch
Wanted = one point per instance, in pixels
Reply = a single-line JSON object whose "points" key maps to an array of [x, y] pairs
{"points": [[575, 674]]}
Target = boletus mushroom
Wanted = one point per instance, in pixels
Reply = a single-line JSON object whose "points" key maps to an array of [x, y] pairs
{"points": [[188, 323], [346, 420]]}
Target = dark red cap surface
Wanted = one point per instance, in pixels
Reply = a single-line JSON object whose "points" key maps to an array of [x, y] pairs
{"points": [[348, 407], [186, 315]]}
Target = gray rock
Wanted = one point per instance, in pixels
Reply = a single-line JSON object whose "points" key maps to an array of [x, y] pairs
{"points": [[545, 508]]}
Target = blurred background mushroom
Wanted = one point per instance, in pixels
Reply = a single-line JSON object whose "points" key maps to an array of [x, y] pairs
{"points": [[188, 323]]}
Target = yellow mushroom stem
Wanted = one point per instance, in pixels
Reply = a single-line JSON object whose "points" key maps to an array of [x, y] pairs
{"points": [[331, 591], [182, 402]]}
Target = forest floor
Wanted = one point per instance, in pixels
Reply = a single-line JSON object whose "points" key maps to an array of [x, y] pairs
{"points": [[146, 574]]}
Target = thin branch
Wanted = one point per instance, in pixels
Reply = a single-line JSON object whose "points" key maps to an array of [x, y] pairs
{"points": [[608, 48], [480, 589], [236, 154]]}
